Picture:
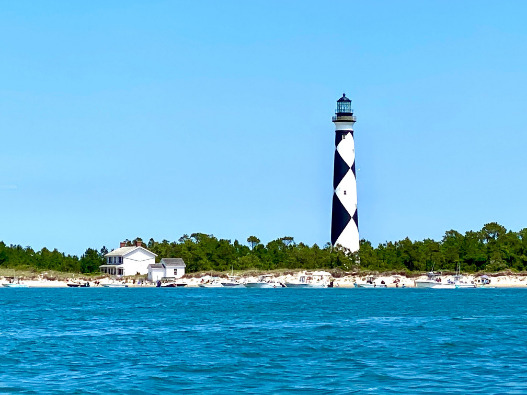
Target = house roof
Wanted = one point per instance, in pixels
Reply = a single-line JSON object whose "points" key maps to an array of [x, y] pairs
{"points": [[173, 262], [156, 266], [123, 251]]}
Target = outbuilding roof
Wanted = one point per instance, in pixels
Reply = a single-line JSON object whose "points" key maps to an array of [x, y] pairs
{"points": [[173, 262]]}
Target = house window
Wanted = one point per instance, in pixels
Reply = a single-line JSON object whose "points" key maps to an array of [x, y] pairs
{"points": [[175, 272], [109, 259], [120, 259]]}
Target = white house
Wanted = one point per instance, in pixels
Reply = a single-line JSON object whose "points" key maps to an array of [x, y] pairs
{"points": [[167, 268], [128, 261]]}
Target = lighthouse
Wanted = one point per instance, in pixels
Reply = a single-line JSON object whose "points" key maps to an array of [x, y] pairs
{"points": [[344, 216]]}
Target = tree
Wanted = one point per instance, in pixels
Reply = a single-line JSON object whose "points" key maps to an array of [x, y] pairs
{"points": [[287, 240], [492, 231], [90, 261], [451, 246], [253, 241]]}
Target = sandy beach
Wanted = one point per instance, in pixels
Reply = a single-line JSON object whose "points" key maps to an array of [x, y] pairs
{"points": [[498, 280]]}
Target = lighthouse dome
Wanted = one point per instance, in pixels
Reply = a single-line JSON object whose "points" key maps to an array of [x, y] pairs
{"points": [[343, 99]]}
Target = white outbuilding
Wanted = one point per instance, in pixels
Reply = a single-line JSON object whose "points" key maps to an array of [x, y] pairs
{"points": [[168, 268], [128, 261]]}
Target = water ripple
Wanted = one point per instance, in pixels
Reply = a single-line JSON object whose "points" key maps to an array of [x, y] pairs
{"points": [[342, 341]]}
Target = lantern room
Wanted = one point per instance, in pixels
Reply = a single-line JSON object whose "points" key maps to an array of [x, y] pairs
{"points": [[344, 105]]}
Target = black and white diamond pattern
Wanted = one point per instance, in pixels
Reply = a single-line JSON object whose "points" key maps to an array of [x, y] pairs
{"points": [[344, 222]]}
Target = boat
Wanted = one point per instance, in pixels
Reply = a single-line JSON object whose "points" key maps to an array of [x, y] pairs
{"points": [[433, 279], [265, 281], [230, 284], [310, 280], [173, 285], [463, 284], [453, 285], [297, 285], [169, 284], [215, 283], [233, 282], [258, 284], [210, 285], [370, 283], [15, 285], [484, 282], [300, 285], [78, 285], [458, 282], [115, 285], [14, 282], [447, 285]]}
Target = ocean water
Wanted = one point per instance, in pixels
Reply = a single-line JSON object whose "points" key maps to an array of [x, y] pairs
{"points": [[142, 341]]}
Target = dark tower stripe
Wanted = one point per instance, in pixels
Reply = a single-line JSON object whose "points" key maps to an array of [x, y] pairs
{"points": [[340, 218], [341, 168], [356, 218], [353, 169]]}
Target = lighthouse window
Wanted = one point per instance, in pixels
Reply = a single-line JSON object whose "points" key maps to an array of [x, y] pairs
{"points": [[344, 192]]}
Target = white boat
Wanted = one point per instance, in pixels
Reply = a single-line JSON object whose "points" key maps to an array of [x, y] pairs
{"points": [[265, 281], [210, 285], [258, 284], [458, 282], [484, 282], [296, 285], [216, 283], [14, 282], [433, 279], [443, 286], [116, 285], [311, 280], [317, 285], [453, 285], [233, 282], [305, 285], [15, 285], [370, 285], [233, 285]]}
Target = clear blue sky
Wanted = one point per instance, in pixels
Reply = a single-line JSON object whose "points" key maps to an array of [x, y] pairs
{"points": [[159, 118]]}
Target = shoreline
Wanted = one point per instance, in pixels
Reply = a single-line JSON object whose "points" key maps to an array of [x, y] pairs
{"points": [[497, 280]]}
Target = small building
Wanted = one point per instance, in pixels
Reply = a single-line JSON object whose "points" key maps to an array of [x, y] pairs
{"points": [[128, 261], [168, 268]]}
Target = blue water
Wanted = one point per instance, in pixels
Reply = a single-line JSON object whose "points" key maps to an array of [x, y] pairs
{"points": [[263, 341]]}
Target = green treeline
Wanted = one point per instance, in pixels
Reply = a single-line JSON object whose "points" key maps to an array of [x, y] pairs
{"points": [[203, 252], [491, 249], [18, 257]]}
